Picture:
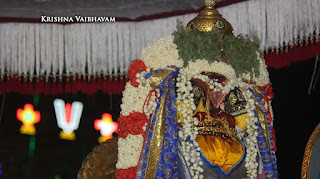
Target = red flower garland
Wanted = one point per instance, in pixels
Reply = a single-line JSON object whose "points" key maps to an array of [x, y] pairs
{"points": [[129, 173], [132, 124], [136, 67]]}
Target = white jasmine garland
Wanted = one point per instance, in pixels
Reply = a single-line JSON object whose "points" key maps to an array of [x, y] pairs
{"points": [[161, 54], [129, 151], [184, 92], [150, 108], [263, 78], [218, 67], [252, 150], [133, 99], [150, 104], [191, 150], [216, 86]]}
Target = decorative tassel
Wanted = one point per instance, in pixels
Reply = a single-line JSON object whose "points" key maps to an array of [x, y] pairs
{"points": [[122, 85], [57, 87], [2, 86], [11, 85], [91, 88], [83, 85], [99, 83], [76, 86], [39, 88], [47, 87], [106, 85], [67, 87], [29, 87]]}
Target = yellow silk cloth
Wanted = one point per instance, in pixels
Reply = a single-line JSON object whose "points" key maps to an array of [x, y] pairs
{"points": [[241, 121], [219, 151], [223, 152]]}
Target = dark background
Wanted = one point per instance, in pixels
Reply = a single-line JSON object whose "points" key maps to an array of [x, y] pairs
{"points": [[295, 112], [54, 158]]}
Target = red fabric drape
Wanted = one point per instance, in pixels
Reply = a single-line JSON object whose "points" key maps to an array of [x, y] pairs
{"points": [[39, 87], [2, 86], [67, 87], [295, 54], [48, 87]]}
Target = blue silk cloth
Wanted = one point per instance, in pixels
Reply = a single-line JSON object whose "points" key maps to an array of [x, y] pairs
{"points": [[266, 150], [167, 164]]}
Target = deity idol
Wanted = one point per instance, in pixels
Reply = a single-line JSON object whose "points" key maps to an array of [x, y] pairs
{"points": [[198, 105]]}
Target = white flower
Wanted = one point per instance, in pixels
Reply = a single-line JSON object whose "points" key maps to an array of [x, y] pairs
{"points": [[263, 78], [129, 151], [218, 67], [161, 54], [133, 99], [251, 140], [190, 150]]}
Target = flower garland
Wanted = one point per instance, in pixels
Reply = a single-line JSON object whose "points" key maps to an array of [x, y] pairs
{"points": [[161, 54], [134, 98], [133, 118], [135, 68], [190, 147], [252, 151], [132, 124], [263, 78], [129, 149], [218, 67], [129, 173]]}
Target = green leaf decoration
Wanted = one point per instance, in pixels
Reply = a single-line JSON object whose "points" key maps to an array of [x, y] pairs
{"points": [[240, 52]]}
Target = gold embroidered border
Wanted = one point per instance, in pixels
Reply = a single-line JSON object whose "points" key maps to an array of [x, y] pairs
{"points": [[262, 117], [156, 140], [308, 152], [263, 121], [258, 92], [157, 78]]}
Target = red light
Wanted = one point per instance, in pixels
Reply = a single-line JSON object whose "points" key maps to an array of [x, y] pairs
{"points": [[106, 127], [28, 117], [68, 113]]}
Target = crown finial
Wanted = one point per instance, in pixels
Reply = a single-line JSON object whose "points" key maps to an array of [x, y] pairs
{"points": [[209, 3], [209, 18]]}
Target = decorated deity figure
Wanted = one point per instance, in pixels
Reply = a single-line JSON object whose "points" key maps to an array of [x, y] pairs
{"points": [[198, 105]]}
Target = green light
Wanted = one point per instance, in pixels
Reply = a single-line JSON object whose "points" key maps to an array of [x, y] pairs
{"points": [[57, 177], [32, 146], [28, 116], [36, 99]]}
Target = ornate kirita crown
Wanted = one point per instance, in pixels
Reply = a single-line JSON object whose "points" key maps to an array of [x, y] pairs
{"points": [[219, 125], [209, 18]]}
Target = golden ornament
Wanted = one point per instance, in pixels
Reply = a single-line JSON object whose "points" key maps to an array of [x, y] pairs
{"points": [[209, 18]]}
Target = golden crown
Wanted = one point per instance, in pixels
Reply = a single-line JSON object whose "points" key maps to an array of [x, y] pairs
{"points": [[209, 18]]}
